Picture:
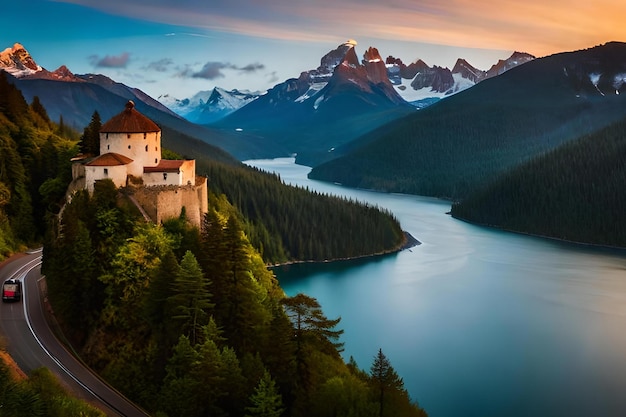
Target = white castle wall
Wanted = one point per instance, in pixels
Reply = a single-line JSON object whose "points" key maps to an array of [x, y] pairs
{"points": [[117, 174]]}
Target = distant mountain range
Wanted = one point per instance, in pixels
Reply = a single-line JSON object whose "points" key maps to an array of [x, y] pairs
{"points": [[459, 144], [417, 83], [341, 99]]}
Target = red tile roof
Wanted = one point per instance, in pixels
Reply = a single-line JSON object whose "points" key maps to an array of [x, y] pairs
{"points": [[129, 121], [109, 159], [166, 165]]}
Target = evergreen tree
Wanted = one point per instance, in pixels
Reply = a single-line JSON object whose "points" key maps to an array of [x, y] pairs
{"points": [[190, 299], [384, 379], [40, 111], [266, 400], [310, 323], [90, 140]]}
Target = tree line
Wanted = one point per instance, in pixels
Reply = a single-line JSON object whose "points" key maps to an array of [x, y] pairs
{"points": [[288, 223]]}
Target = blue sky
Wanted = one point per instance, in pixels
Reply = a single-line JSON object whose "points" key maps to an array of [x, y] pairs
{"points": [[179, 47]]}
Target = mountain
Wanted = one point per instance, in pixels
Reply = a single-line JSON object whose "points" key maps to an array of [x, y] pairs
{"points": [[323, 108], [206, 107], [421, 85], [457, 145], [76, 97], [18, 62], [575, 192]]}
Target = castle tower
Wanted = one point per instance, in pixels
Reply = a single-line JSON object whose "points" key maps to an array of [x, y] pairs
{"points": [[133, 135], [130, 145]]}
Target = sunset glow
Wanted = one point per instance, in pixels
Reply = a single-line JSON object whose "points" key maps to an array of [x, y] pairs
{"points": [[287, 37]]}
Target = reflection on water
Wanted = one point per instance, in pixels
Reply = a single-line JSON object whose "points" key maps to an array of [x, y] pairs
{"points": [[478, 322]]}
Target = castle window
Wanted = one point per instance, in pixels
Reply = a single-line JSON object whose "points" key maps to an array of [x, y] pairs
{"points": [[128, 146], [155, 161], [107, 136], [128, 136], [106, 171], [165, 176], [108, 147], [145, 135], [146, 148]]}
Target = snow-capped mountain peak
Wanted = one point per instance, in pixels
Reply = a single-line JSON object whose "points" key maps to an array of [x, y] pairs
{"points": [[418, 82], [208, 106], [18, 62]]}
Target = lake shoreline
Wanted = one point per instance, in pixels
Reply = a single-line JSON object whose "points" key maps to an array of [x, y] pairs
{"points": [[409, 242]]}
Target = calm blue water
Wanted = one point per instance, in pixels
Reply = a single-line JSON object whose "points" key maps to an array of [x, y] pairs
{"points": [[478, 322]]}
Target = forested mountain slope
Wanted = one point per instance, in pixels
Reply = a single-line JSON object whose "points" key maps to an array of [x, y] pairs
{"points": [[188, 322], [576, 192], [34, 168], [452, 148]]}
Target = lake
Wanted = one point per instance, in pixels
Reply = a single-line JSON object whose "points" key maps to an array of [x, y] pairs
{"points": [[478, 322]]}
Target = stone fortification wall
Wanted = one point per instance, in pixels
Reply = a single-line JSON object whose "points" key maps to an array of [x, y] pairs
{"points": [[164, 202]]}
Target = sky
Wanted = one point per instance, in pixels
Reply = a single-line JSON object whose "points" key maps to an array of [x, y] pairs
{"points": [[181, 47]]}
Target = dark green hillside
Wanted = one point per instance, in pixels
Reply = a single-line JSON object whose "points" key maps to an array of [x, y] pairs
{"points": [[458, 144], [34, 167], [286, 223], [576, 192]]}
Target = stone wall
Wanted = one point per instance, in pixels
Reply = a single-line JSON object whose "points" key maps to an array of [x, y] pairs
{"points": [[164, 202]]}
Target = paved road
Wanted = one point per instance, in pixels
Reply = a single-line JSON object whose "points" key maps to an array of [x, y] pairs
{"points": [[32, 344]]}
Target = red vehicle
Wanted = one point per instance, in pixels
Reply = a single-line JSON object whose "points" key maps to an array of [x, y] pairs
{"points": [[11, 290]]}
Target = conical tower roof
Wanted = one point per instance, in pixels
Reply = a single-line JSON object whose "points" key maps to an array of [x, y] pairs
{"points": [[129, 121]]}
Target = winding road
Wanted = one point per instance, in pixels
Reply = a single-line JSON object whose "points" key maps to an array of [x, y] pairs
{"points": [[31, 343]]}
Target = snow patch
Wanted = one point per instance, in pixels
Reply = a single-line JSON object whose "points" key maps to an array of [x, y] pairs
{"points": [[409, 94], [318, 102], [594, 77], [314, 88]]}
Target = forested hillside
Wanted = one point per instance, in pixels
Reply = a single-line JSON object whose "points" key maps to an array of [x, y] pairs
{"points": [[293, 224], [34, 168], [459, 144], [576, 193], [189, 322]]}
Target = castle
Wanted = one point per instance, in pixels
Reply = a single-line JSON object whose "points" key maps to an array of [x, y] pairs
{"points": [[130, 156]]}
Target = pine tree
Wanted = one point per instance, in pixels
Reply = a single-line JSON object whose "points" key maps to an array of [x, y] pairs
{"points": [[90, 140], [310, 322], [191, 298], [266, 400], [39, 109], [385, 380]]}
